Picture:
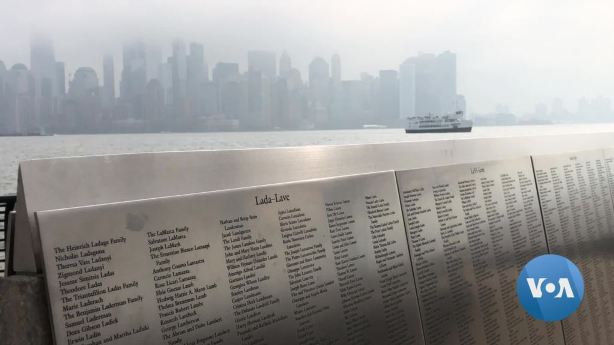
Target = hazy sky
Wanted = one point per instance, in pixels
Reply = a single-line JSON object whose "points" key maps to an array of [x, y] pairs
{"points": [[517, 52]]}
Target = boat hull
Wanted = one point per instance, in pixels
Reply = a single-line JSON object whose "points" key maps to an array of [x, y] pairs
{"points": [[438, 130]]}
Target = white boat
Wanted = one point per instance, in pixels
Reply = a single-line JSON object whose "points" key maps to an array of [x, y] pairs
{"points": [[439, 124]]}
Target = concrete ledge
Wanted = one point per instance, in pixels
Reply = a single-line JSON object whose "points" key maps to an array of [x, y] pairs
{"points": [[24, 317]]}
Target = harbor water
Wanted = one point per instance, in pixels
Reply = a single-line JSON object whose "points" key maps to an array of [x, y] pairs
{"points": [[16, 149]]}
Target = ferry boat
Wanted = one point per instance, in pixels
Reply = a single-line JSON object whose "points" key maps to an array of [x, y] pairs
{"points": [[439, 124]]}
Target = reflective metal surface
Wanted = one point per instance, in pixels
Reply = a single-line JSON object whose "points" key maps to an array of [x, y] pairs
{"points": [[471, 228], [317, 262], [71, 182], [578, 217]]}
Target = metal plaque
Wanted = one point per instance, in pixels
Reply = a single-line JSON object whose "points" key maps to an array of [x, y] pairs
{"points": [[315, 262], [577, 211], [470, 229], [71, 182]]}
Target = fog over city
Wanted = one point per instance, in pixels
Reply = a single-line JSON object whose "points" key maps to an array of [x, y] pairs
{"points": [[511, 55]]}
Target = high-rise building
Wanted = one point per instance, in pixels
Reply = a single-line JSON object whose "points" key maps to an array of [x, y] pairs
{"points": [[60, 78], [84, 83], [165, 75], [84, 101], [335, 67], [17, 101], [134, 72], [263, 62], [388, 98], [195, 77], [319, 87], [108, 82], [258, 101], [153, 59], [43, 69], [285, 65], [225, 71], [179, 69], [407, 89], [446, 81], [42, 60], [428, 85]]}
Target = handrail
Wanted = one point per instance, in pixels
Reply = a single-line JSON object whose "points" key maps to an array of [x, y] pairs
{"points": [[7, 204]]}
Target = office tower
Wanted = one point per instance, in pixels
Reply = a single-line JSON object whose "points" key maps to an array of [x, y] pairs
{"points": [[18, 111], [154, 105], [84, 83], [262, 61], [388, 98], [195, 77], [42, 60], [225, 71], [84, 97], [461, 104], [179, 70], [285, 65], [446, 80], [43, 70], [407, 89], [232, 100], [319, 86], [165, 75], [210, 98], [108, 82], [60, 78], [280, 106], [434, 81], [335, 66], [258, 101], [153, 59], [134, 72]]}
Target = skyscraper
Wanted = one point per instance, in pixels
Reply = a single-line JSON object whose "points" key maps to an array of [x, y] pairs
{"points": [[195, 77], [262, 61], [19, 116], [134, 72], [388, 98], [335, 66], [433, 80], [43, 69], [259, 101], [84, 83], [225, 71], [153, 59], [84, 95], [60, 79], [407, 89], [446, 81], [285, 65], [319, 86], [108, 82], [179, 69]]}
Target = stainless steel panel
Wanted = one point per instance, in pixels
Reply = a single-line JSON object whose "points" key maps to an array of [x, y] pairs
{"points": [[577, 207], [318, 262], [60, 183], [471, 228]]}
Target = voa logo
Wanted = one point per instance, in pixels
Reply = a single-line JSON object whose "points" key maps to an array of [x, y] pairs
{"points": [[564, 288], [550, 287]]}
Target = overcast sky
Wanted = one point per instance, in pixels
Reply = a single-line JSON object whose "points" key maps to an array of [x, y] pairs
{"points": [[517, 52]]}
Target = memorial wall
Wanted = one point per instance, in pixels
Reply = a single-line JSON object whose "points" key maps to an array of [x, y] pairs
{"points": [[415, 256], [319, 262], [575, 195], [56, 183], [471, 228]]}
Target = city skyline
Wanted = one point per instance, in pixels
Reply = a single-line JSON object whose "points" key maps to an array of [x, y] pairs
{"points": [[147, 91], [512, 53]]}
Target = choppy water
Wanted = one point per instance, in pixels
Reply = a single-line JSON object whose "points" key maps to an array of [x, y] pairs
{"points": [[16, 149]]}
